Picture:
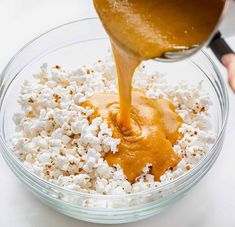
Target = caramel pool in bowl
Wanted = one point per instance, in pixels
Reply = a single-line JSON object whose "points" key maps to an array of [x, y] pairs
{"points": [[154, 131]]}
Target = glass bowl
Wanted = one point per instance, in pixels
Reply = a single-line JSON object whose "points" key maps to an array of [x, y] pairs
{"points": [[83, 42]]}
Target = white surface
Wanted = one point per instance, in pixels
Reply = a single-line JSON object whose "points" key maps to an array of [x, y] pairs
{"points": [[210, 203]]}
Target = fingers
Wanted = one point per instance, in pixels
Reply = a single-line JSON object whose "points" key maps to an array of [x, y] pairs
{"points": [[229, 62]]}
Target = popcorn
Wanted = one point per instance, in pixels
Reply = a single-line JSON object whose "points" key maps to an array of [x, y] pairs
{"points": [[138, 187], [56, 139], [103, 170], [111, 144], [82, 179], [100, 185], [55, 143], [44, 158], [147, 168]]}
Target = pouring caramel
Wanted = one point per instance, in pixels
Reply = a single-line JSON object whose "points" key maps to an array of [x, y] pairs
{"points": [[141, 30]]}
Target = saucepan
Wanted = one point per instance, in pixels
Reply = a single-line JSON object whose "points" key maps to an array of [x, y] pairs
{"points": [[224, 27]]}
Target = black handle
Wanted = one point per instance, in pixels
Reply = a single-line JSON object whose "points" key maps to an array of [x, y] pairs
{"points": [[219, 46]]}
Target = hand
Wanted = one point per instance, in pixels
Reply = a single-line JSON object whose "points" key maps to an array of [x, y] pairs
{"points": [[229, 62]]}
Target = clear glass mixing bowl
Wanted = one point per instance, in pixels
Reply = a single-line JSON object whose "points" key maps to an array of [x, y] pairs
{"points": [[83, 42]]}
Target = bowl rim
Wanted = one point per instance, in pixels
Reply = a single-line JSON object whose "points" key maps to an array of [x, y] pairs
{"points": [[183, 177]]}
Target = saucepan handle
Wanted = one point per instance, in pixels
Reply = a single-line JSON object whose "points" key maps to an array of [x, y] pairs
{"points": [[219, 46]]}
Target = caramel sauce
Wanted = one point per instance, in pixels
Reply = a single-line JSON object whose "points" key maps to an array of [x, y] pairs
{"points": [[140, 30], [126, 63], [154, 128]]}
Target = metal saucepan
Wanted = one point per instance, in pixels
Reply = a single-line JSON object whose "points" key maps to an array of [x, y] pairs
{"points": [[224, 27]]}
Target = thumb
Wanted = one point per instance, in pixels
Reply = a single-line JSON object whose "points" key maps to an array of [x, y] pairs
{"points": [[229, 62]]}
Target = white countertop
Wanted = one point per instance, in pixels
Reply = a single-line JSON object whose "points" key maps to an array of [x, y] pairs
{"points": [[210, 203]]}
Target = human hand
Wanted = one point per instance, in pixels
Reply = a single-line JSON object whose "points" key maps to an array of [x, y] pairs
{"points": [[229, 62]]}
